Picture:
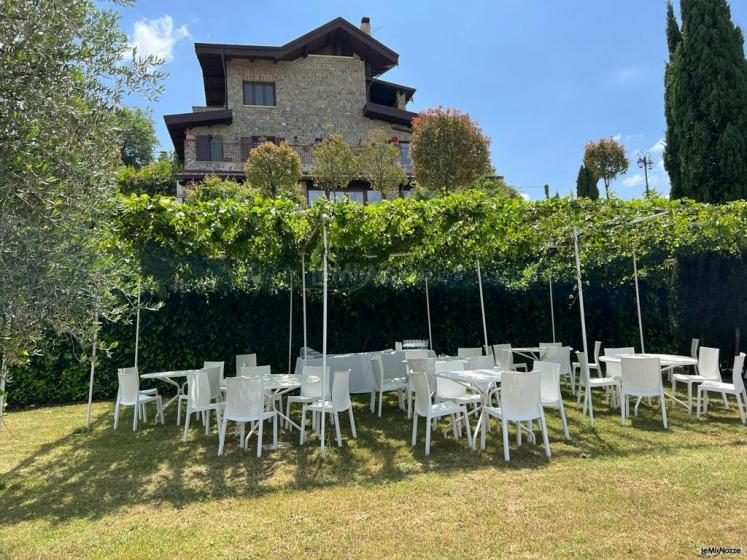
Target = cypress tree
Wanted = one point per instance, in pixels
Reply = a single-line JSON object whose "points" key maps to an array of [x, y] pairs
{"points": [[706, 103], [586, 184]]}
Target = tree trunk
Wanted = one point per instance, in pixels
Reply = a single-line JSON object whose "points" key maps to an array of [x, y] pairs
{"points": [[2, 390]]}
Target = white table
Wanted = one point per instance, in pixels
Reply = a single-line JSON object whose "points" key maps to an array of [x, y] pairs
{"points": [[668, 363], [359, 365]]}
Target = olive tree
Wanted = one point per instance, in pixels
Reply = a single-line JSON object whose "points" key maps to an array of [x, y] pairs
{"points": [[335, 164], [378, 161]]}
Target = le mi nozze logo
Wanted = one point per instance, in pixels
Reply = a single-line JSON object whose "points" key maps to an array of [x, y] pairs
{"points": [[714, 551]]}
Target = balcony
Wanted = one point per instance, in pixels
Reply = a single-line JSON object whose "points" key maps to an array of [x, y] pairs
{"points": [[229, 157]]}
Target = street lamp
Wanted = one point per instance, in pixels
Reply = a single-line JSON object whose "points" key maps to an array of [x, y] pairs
{"points": [[645, 162]]}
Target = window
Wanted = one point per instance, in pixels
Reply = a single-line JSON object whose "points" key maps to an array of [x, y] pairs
{"points": [[259, 93], [373, 196], [209, 148], [404, 153]]}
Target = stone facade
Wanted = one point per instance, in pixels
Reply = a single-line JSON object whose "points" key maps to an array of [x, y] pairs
{"points": [[311, 94]]}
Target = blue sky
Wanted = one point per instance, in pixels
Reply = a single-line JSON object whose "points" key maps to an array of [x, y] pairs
{"points": [[542, 77]]}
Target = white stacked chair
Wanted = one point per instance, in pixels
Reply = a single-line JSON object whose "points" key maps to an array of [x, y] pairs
{"points": [[419, 365], [613, 369], [339, 402], [245, 402], [310, 392], [220, 365], [550, 390], [736, 388], [199, 399], [576, 367], [520, 402], [274, 400], [215, 377], [245, 360], [129, 394], [452, 391], [694, 344], [588, 383], [380, 384], [561, 355], [708, 370], [641, 377], [469, 352], [506, 361], [425, 407]]}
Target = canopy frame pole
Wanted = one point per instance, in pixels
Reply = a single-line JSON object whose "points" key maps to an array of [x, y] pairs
{"points": [[482, 306], [137, 325], [638, 301], [303, 297], [324, 340], [290, 324], [583, 319], [552, 307], [428, 311]]}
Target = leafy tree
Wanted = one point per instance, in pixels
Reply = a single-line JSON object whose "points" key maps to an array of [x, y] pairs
{"points": [[216, 188], [155, 178], [606, 159], [274, 170], [706, 103], [586, 184], [378, 162], [448, 150], [335, 165], [62, 72], [547, 190], [496, 186], [137, 135]]}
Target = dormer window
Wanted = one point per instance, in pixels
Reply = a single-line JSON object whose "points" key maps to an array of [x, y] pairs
{"points": [[259, 93]]}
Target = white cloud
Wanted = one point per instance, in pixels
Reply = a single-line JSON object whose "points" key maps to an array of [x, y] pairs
{"points": [[617, 137], [658, 148], [637, 180], [157, 37]]}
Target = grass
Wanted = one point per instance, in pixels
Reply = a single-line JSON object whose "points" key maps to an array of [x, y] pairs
{"points": [[612, 491]]}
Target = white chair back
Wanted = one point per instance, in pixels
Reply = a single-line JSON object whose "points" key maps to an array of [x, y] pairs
{"points": [[422, 393], [550, 344], [377, 372], [214, 379], [314, 390], [129, 385], [504, 359], [583, 365], [618, 351], [708, 363], [220, 365], [423, 365], [481, 362], [613, 369], [415, 354], [520, 395], [549, 380], [497, 352], [559, 355], [736, 373], [597, 350], [254, 371], [694, 343], [447, 388], [469, 352], [245, 397], [341, 390], [449, 365], [641, 376], [245, 360], [198, 388]]}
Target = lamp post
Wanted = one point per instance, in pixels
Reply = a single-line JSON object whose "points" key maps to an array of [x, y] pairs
{"points": [[645, 162]]}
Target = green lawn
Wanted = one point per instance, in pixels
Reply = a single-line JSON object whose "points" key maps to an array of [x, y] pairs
{"points": [[612, 492]]}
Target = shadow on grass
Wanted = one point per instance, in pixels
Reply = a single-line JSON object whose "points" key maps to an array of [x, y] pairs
{"points": [[91, 474]]}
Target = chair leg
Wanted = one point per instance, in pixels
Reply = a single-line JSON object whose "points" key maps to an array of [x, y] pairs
{"points": [[518, 434], [428, 435], [482, 426], [504, 429], [409, 403], [564, 420], [186, 422], [134, 416], [590, 405], [663, 410], [373, 400], [222, 435], [288, 414], [259, 436], [700, 398], [578, 396], [116, 414], [381, 398], [352, 421], [689, 398], [178, 409], [160, 409], [145, 412], [242, 432], [337, 428], [545, 439], [741, 407], [623, 405], [414, 429], [470, 441], [207, 422], [303, 425], [726, 402], [275, 431], [573, 383]]}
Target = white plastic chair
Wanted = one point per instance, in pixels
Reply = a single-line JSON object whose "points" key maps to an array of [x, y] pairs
{"points": [[415, 354], [588, 383], [641, 377], [520, 402], [129, 394], [576, 367], [694, 344], [419, 365], [561, 355], [245, 402], [736, 388], [215, 376], [469, 352], [708, 370], [220, 365], [505, 361], [381, 384], [450, 390], [245, 360], [425, 407], [550, 390], [199, 399], [310, 392], [550, 344], [480, 362], [340, 402], [254, 371]]}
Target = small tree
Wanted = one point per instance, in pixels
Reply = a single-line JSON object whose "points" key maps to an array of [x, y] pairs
{"points": [[378, 163], [547, 191], [606, 159], [137, 135], [586, 184], [495, 186], [335, 164], [156, 178], [274, 170], [448, 150]]}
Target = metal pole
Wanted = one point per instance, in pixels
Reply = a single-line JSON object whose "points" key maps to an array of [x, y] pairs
{"points": [[137, 325], [552, 308], [93, 369], [2, 389], [303, 296], [324, 337], [482, 306], [638, 301], [290, 325], [428, 309], [583, 320]]}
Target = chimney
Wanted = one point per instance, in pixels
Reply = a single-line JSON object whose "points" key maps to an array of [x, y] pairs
{"points": [[366, 25]]}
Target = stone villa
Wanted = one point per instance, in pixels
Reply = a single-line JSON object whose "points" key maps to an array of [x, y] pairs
{"points": [[328, 77]]}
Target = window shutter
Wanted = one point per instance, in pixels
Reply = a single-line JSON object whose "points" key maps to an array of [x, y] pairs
{"points": [[203, 148], [246, 147]]}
